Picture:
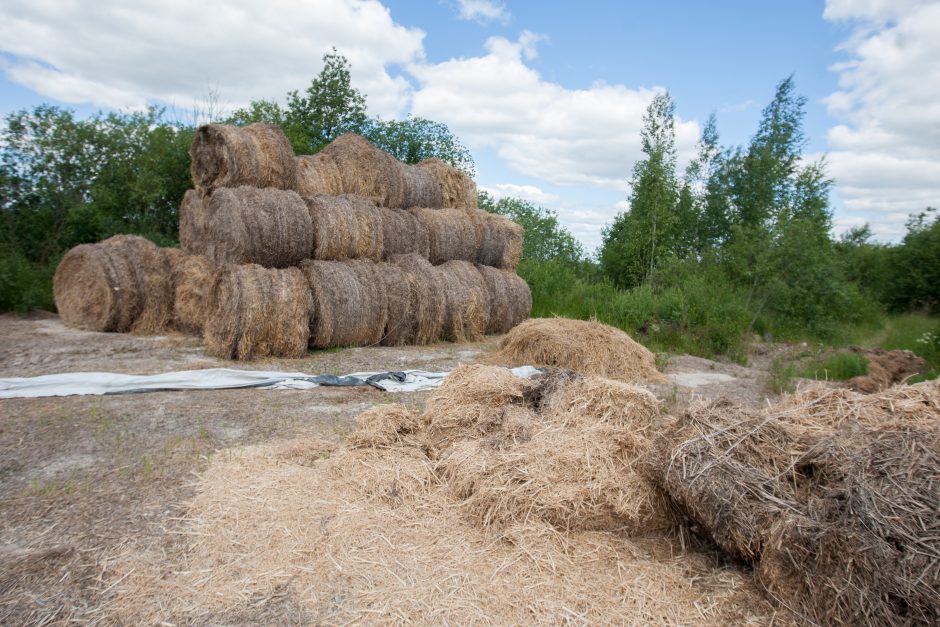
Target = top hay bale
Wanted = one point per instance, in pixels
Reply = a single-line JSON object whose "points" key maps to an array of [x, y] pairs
{"points": [[366, 170], [318, 174], [259, 155], [458, 191]]}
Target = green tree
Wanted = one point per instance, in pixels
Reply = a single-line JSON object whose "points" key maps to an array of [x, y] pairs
{"points": [[415, 138], [544, 238]]}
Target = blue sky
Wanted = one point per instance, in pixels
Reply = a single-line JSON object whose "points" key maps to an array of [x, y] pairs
{"points": [[548, 96]]}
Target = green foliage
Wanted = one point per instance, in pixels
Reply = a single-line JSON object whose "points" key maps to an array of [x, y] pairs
{"points": [[415, 139], [544, 239], [24, 285], [835, 366]]}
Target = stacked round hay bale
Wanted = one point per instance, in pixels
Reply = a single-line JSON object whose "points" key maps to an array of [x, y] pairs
{"points": [[426, 307], [458, 191], [257, 155], [349, 306], [366, 170], [345, 227], [192, 282]]}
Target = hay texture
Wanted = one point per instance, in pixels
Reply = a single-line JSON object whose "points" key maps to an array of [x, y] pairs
{"points": [[467, 302], [366, 170], [345, 227], [121, 284], [509, 297], [269, 227], [458, 191], [258, 155], [426, 305], [403, 233], [318, 174], [421, 188], [193, 216], [258, 312], [500, 240], [192, 282], [452, 234], [350, 307], [589, 347]]}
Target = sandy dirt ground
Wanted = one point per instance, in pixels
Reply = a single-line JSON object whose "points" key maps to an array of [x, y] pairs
{"points": [[84, 480]]}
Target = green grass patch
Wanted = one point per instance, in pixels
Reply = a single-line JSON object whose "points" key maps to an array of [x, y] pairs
{"points": [[837, 366]]}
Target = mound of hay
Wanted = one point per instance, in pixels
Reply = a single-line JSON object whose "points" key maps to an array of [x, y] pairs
{"points": [[385, 426], [258, 312], [123, 283], [421, 188], [510, 299], [193, 217], [345, 227], [259, 155], [366, 170], [427, 304], [467, 310], [885, 368], [192, 282], [585, 346], [452, 234], [318, 174], [269, 227], [403, 233], [350, 307], [500, 240], [458, 191]]}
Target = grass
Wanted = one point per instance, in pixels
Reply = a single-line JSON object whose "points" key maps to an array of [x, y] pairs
{"points": [[917, 333], [835, 366]]}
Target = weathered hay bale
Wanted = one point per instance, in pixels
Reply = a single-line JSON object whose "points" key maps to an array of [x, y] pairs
{"points": [[123, 283], [269, 227], [345, 227], [509, 298], [259, 155], [458, 190], [421, 188], [467, 310], [586, 346], [350, 306], [318, 174], [500, 240], [258, 312], [385, 426], [403, 233], [452, 234], [193, 217], [425, 282], [367, 171], [192, 281], [402, 302]]}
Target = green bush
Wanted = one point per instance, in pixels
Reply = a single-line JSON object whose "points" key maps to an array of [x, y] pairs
{"points": [[25, 285]]}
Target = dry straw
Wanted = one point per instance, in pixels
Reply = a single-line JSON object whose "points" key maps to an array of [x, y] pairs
{"points": [[269, 227], [403, 233], [192, 282], [121, 284], [500, 240], [345, 227], [350, 306], [467, 310], [509, 297], [421, 188], [586, 346], [318, 174], [452, 234], [427, 308], [366, 170], [458, 191], [258, 312], [259, 155], [193, 216]]}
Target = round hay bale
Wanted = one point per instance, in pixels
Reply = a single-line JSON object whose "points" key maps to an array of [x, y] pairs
{"points": [[121, 284], [403, 233], [468, 305], [586, 346], [509, 298], [259, 155], [402, 298], [421, 188], [258, 312], [193, 216], [350, 306], [458, 191], [345, 227], [452, 234], [269, 227], [500, 240], [426, 286], [318, 174], [367, 171], [192, 280]]}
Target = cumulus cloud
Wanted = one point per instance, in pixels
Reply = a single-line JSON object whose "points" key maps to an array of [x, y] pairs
{"points": [[482, 11], [525, 192]]}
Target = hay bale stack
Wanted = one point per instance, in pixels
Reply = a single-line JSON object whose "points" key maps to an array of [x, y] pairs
{"points": [[403, 233], [467, 310], [509, 297], [367, 171], [258, 312], [318, 174], [421, 188], [585, 346], [428, 291], [269, 227], [121, 284], [193, 217], [345, 227], [350, 307], [258, 155], [458, 191], [403, 305], [452, 234], [192, 282], [500, 240]]}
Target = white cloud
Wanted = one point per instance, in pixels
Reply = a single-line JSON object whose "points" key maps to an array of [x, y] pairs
{"points": [[525, 192], [482, 11]]}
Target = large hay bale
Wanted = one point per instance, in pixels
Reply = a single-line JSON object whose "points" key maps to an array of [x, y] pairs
{"points": [[258, 312], [269, 227], [509, 297], [403, 233], [402, 302], [467, 311], [452, 234], [500, 240], [367, 171], [458, 191], [318, 174], [586, 346], [425, 282], [193, 217], [350, 306], [421, 188], [192, 281], [345, 227], [123, 283], [259, 155]]}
